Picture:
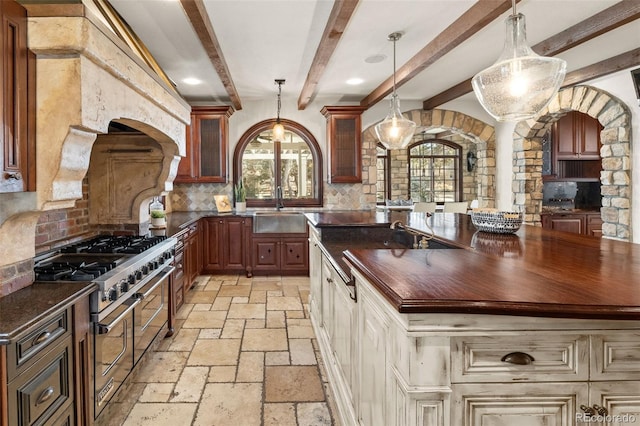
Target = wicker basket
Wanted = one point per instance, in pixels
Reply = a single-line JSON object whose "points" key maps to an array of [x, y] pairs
{"points": [[496, 222]]}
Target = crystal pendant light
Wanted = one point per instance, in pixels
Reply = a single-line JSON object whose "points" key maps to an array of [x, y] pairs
{"points": [[278, 129], [395, 131], [520, 83]]}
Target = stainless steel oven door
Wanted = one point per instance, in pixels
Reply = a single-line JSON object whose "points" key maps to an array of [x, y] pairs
{"points": [[113, 353], [152, 313]]}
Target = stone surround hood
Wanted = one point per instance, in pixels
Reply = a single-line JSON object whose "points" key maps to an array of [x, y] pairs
{"points": [[87, 78]]}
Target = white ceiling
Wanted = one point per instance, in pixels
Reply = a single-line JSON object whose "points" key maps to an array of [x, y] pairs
{"points": [[263, 40]]}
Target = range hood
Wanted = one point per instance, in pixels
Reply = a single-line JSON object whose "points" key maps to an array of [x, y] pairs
{"points": [[86, 79]]}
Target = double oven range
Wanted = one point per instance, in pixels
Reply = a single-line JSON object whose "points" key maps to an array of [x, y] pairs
{"points": [[130, 306]]}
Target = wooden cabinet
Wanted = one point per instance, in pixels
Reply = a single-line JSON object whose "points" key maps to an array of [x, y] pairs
{"points": [[44, 371], [17, 101], [344, 142], [576, 222], [206, 146], [284, 255], [226, 244], [577, 137]]}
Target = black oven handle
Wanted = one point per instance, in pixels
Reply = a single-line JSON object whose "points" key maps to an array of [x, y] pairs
{"points": [[106, 328], [165, 273]]}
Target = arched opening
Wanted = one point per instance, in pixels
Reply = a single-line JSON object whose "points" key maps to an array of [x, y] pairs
{"points": [[615, 179]]}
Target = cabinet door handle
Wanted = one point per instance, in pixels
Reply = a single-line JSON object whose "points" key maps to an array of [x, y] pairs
{"points": [[518, 358], [588, 410], [45, 395], [601, 410], [42, 337]]}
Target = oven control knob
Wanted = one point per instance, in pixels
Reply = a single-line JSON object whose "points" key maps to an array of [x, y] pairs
{"points": [[167, 255], [124, 286], [131, 279], [145, 269], [113, 294], [152, 266], [138, 275], [161, 260], [156, 264]]}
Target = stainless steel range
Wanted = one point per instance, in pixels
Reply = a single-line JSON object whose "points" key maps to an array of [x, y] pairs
{"points": [[130, 306]]}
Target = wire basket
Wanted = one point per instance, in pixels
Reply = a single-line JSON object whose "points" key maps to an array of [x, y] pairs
{"points": [[496, 222]]}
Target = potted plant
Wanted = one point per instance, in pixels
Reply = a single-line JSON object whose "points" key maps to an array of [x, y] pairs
{"points": [[241, 197], [158, 219]]}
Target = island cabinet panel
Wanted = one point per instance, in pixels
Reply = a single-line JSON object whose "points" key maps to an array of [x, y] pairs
{"points": [[345, 143], [440, 369], [315, 275], [530, 404], [226, 244], [206, 146]]}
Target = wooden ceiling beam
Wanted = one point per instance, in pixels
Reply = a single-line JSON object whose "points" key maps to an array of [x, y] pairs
{"points": [[469, 23], [338, 19], [599, 69], [199, 18], [609, 19]]}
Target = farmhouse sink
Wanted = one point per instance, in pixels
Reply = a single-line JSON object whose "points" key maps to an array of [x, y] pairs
{"points": [[279, 222]]}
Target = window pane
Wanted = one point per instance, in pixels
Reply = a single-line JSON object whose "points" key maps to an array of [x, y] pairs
{"points": [[296, 168], [433, 174], [258, 162]]}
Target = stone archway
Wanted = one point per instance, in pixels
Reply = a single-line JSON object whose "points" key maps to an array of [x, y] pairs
{"points": [[479, 133], [615, 178]]}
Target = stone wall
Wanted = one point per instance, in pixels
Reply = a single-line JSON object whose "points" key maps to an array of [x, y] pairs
{"points": [[615, 152]]}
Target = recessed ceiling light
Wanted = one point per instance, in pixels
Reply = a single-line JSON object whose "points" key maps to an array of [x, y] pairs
{"points": [[374, 59], [191, 81], [355, 81]]}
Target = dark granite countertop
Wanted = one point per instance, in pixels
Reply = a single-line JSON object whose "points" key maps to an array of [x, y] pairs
{"points": [[25, 307]]}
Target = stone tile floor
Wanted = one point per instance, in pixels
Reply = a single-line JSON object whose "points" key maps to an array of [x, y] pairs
{"points": [[244, 353]]}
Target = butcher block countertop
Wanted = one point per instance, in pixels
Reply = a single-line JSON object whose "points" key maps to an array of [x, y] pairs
{"points": [[535, 272]]}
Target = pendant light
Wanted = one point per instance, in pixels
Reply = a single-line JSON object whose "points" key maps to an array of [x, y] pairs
{"points": [[277, 133], [395, 131], [520, 83]]}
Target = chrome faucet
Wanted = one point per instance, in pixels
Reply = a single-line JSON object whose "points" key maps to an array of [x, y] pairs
{"points": [[279, 203]]}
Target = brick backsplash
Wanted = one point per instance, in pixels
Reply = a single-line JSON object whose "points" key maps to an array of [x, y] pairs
{"points": [[62, 226]]}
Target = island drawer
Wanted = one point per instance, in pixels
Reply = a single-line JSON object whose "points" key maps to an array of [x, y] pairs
{"points": [[22, 352], [520, 358], [615, 356]]}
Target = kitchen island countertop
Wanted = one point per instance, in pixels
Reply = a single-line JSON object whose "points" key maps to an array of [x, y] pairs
{"points": [[535, 272]]}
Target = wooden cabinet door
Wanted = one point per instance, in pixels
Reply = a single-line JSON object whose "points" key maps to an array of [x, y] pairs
{"points": [[213, 234], [294, 255], [594, 224], [315, 278], [15, 110], [621, 399], [266, 254], [563, 137], [206, 151], [522, 404], [234, 248], [589, 140], [343, 341], [345, 143]]}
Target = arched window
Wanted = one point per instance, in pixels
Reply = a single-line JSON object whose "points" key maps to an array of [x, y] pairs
{"points": [[292, 168], [435, 171], [383, 178]]}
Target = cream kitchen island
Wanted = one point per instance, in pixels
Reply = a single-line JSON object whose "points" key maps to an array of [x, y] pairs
{"points": [[538, 328]]}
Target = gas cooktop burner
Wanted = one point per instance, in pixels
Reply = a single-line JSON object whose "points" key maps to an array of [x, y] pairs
{"points": [[114, 244], [72, 271]]}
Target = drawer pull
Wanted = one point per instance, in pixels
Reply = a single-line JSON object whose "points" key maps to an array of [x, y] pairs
{"points": [[519, 358], [42, 337], [588, 410], [45, 395]]}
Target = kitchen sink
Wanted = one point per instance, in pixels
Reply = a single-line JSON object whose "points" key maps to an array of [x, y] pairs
{"points": [[279, 222]]}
